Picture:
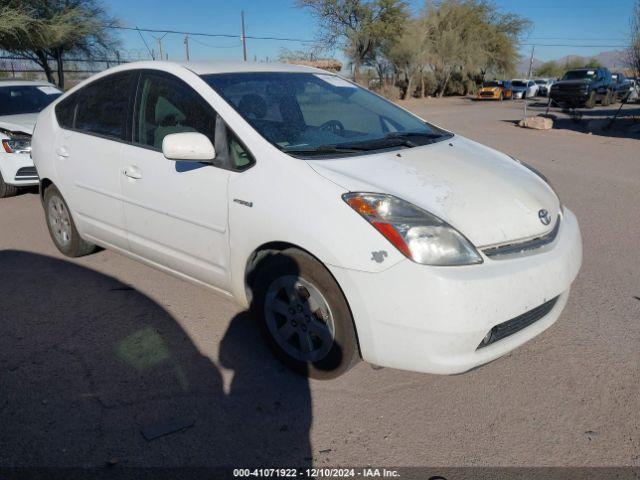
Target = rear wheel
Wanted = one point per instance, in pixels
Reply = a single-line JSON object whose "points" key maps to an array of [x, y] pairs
{"points": [[63, 231], [304, 315], [7, 190], [607, 100]]}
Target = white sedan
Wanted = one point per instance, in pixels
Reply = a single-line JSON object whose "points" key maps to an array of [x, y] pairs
{"points": [[523, 88], [352, 228], [20, 102]]}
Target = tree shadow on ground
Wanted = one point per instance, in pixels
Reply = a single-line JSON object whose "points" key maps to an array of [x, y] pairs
{"points": [[96, 375]]}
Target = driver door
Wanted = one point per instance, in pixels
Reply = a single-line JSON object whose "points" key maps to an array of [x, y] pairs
{"points": [[176, 213]]}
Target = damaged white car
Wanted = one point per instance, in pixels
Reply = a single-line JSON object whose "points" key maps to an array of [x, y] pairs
{"points": [[20, 103], [352, 228]]}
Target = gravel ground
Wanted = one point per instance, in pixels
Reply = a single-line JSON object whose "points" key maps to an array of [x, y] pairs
{"points": [[101, 354]]}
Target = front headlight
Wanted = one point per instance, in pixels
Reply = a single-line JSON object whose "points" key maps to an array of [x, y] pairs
{"points": [[17, 145], [417, 234]]}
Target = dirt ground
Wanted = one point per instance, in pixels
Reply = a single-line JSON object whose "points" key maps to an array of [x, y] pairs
{"points": [[101, 354]]}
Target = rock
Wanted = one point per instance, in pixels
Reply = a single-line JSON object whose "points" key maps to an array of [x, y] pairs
{"points": [[537, 123]]}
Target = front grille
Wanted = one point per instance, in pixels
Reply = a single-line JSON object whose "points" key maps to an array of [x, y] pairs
{"points": [[520, 248], [486, 94], [27, 173], [518, 323]]}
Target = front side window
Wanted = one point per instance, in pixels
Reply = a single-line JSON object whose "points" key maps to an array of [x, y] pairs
{"points": [[319, 114], [103, 106], [168, 105], [16, 100]]}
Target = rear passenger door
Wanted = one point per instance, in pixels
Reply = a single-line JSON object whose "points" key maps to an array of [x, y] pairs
{"points": [[176, 212], [95, 124]]}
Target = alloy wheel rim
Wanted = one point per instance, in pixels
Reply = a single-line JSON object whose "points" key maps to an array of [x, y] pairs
{"points": [[60, 221], [299, 318]]}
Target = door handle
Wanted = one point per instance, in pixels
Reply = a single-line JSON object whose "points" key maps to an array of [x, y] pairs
{"points": [[62, 152], [132, 172]]}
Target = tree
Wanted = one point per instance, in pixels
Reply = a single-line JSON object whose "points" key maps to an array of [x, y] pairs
{"points": [[359, 26], [407, 53], [472, 38], [550, 69], [57, 27]]}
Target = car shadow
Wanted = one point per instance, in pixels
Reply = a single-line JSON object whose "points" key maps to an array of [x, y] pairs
{"points": [[96, 375]]}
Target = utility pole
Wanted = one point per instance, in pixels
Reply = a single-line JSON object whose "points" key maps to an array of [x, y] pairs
{"points": [[244, 38], [526, 100], [160, 48], [186, 46]]}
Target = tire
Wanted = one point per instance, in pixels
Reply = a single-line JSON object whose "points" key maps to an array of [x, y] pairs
{"points": [[304, 315], [7, 190], [591, 101], [501, 96], [607, 100], [62, 229], [614, 98]]}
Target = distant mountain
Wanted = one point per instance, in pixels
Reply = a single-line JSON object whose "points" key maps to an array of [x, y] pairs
{"points": [[613, 60]]}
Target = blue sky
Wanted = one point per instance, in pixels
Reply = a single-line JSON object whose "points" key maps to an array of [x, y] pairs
{"points": [[592, 25]]}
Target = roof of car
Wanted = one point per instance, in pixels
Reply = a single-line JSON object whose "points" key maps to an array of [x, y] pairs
{"points": [[20, 83], [225, 66]]}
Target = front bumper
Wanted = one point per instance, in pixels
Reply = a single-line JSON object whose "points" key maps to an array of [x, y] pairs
{"points": [[432, 319], [18, 169], [518, 94], [569, 97]]}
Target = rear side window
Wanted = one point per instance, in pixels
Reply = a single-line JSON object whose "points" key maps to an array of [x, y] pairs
{"points": [[103, 106]]}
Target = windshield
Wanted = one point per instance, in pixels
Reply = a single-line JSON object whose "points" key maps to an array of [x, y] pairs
{"points": [[312, 114], [541, 82], [491, 84], [518, 83], [26, 98], [579, 75]]}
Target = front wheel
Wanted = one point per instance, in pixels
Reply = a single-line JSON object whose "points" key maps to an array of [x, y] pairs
{"points": [[63, 231], [591, 100], [304, 315]]}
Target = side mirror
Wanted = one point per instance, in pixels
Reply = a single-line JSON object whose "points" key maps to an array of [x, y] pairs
{"points": [[188, 146]]}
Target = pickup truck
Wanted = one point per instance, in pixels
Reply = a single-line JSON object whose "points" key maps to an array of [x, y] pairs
{"points": [[584, 87]]}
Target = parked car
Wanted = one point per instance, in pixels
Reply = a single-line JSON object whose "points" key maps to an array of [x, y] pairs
{"points": [[20, 102], [495, 90], [347, 224], [523, 88], [544, 86], [634, 94], [621, 86], [584, 87]]}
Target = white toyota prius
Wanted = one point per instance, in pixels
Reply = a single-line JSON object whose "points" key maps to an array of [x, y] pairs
{"points": [[351, 227]]}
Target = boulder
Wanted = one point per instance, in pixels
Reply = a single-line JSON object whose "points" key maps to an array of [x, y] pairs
{"points": [[537, 123]]}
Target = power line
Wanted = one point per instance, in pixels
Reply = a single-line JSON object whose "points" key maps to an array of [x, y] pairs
{"points": [[206, 34], [573, 46]]}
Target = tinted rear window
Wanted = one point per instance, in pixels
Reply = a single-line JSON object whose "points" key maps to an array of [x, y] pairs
{"points": [[103, 106]]}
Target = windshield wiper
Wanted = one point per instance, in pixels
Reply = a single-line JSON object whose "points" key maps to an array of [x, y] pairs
{"points": [[395, 139], [324, 149]]}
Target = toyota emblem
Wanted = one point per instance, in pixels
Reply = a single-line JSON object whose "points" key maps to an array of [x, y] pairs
{"points": [[544, 217]]}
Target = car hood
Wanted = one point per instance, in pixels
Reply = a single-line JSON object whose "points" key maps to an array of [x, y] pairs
{"points": [[486, 195], [23, 123]]}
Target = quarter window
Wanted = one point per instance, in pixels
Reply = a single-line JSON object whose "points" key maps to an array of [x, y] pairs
{"points": [[103, 106]]}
